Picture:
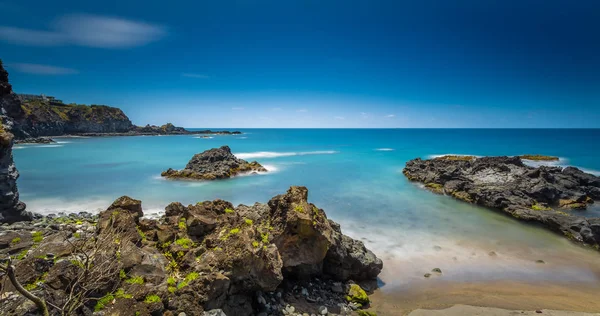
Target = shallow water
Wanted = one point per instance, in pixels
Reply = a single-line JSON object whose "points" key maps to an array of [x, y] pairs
{"points": [[355, 175]]}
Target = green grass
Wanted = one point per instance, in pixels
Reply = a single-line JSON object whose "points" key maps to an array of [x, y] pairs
{"points": [[299, 209], [103, 301], [248, 221], [539, 207], [234, 231], [182, 226], [229, 211], [188, 278], [141, 233], [255, 244], [121, 294], [15, 240]]}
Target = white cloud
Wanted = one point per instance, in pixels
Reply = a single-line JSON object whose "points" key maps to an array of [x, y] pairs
{"points": [[277, 109], [31, 37], [38, 69], [302, 110], [391, 115], [364, 115], [192, 75], [237, 108], [87, 30], [339, 118]]}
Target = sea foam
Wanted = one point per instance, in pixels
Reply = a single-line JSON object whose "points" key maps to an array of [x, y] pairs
{"points": [[384, 149], [270, 154]]}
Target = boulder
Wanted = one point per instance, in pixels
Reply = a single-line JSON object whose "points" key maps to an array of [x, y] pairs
{"points": [[216, 163]]}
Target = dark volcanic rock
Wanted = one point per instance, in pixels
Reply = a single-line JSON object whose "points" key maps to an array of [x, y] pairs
{"points": [[36, 140], [243, 260], [11, 209], [545, 194], [216, 163]]}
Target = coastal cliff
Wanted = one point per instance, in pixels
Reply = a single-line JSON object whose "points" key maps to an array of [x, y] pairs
{"points": [[11, 209], [554, 197]]}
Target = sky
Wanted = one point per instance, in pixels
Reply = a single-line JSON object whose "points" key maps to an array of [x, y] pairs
{"points": [[314, 64]]}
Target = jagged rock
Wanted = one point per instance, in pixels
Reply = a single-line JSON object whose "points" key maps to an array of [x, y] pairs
{"points": [[526, 193], [11, 209], [202, 257], [35, 140], [216, 163]]}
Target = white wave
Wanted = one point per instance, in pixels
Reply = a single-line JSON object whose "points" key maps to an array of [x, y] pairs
{"points": [[270, 154], [270, 168], [47, 206], [204, 137], [62, 142], [18, 147], [384, 149], [242, 137], [36, 146], [561, 162]]}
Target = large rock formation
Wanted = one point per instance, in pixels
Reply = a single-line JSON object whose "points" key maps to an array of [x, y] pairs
{"points": [[244, 260], [216, 163], [11, 209], [553, 196]]}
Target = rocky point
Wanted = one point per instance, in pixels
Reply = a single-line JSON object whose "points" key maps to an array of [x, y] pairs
{"points": [[211, 258], [555, 197]]}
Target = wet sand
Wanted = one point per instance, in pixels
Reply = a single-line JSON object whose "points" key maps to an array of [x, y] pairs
{"points": [[509, 295]]}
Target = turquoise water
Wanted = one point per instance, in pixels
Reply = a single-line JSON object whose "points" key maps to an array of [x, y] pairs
{"points": [[355, 175]]}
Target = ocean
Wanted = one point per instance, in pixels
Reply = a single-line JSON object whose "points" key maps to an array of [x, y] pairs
{"points": [[355, 175]]}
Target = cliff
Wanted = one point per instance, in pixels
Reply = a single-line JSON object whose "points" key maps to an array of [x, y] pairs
{"points": [[11, 209]]}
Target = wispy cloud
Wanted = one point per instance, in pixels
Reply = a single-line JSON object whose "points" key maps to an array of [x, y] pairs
{"points": [[237, 108], [192, 75], [39, 69], [364, 115], [87, 30], [277, 109], [340, 118], [302, 110], [391, 115]]}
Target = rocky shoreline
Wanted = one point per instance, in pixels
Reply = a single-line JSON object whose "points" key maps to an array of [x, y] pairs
{"points": [[553, 197], [280, 258], [212, 164]]}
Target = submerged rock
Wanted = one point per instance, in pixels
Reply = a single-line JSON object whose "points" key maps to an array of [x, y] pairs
{"points": [[210, 258], [216, 163], [526, 193]]}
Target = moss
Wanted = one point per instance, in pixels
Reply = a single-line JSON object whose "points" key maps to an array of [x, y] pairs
{"points": [[171, 289], [37, 237], [135, 280], [188, 278], [462, 195], [229, 211], [152, 298], [182, 226], [540, 207], [22, 254], [299, 209], [77, 235], [15, 240], [122, 274], [141, 233], [248, 221], [357, 295], [234, 231], [78, 222], [186, 243], [539, 157], [171, 281], [435, 187], [255, 244], [103, 301], [265, 238], [217, 249], [121, 294]]}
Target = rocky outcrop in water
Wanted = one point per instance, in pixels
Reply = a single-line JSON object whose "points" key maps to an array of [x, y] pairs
{"points": [[555, 197], [284, 257], [35, 140], [216, 163]]}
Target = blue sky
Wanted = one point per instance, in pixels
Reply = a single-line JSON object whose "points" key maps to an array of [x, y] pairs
{"points": [[314, 63]]}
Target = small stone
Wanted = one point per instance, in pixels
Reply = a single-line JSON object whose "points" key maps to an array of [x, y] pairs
{"points": [[427, 275], [436, 270], [290, 309], [322, 310], [304, 292], [492, 254], [538, 311], [181, 314], [540, 261], [337, 287], [438, 248]]}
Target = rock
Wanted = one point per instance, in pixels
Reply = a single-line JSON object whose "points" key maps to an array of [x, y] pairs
{"points": [[322, 310], [11, 209], [216, 163], [540, 261], [357, 295], [35, 140], [436, 270], [214, 312], [524, 192], [427, 275]]}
